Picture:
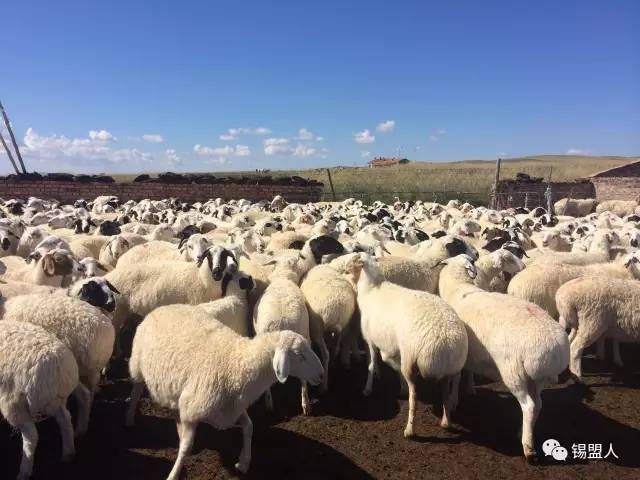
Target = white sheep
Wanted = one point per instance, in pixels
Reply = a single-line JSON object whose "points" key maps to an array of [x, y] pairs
{"points": [[331, 304], [421, 272], [594, 308], [540, 282], [146, 286], [416, 333], [211, 374], [111, 251], [50, 269], [492, 266], [510, 340], [38, 374], [87, 332], [282, 307], [575, 207]]}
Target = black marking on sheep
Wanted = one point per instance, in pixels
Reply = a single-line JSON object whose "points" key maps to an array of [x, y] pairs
{"points": [[438, 234], [456, 247], [494, 244], [296, 245], [93, 293], [325, 245], [109, 228]]}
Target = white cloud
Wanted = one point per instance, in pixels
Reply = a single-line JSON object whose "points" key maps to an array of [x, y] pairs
{"points": [[364, 137], [365, 154], [101, 136], [81, 152], [436, 136], [226, 151], [275, 141], [578, 151], [387, 126], [234, 133], [153, 138], [173, 158], [304, 134], [319, 139]]}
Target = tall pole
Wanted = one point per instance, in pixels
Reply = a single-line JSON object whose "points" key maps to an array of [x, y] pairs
{"points": [[13, 138], [494, 200], [333, 192], [6, 149]]}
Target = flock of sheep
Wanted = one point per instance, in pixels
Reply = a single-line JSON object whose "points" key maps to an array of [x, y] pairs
{"points": [[228, 298]]}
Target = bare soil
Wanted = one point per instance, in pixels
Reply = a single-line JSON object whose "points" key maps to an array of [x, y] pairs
{"points": [[352, 437]]}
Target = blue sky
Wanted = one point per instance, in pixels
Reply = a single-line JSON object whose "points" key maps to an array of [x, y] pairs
{"points": [[125, 86]]}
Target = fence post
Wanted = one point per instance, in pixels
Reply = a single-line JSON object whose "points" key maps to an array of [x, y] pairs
{"points": [[333, 192], [494, 197]]}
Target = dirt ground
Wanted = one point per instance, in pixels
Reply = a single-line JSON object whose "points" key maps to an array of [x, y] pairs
{"points": [[352, 437]]}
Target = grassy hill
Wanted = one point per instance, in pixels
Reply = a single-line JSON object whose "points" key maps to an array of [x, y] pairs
{"points": [[468, 179]]}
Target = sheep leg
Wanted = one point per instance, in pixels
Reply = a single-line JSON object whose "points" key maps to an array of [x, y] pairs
{"points": [[29, 434], [572, 334], [324, 357], [268, 400], [467, 383], [187, 436], [588, 333], [63, 417], [83, 396], [247, 433], [601, 352], [304, 393], [529, 414], [617, 359], [373, 354], [449, 389], [409, 430], [136, 393]]}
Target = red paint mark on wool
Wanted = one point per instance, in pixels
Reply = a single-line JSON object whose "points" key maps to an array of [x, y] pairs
{"points": [[534, 310]]}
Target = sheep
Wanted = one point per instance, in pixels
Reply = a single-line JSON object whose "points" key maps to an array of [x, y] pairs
{"points": [[232, 309], [29, 239], [38, 374], [599, 252], [8, 242], [87, 332], [621, 208], [490, 268], [87, 246], [415, 333], [211, 374], [93, 268], [146, 286], [594, 308], [284, 240], [282, 306], [539, 283], [575, 207], [331, 304], [112, 250], [421, 272], [510, 340], [48, 269]]}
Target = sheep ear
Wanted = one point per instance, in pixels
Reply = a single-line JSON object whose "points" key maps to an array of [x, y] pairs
{"points": [[49, 265], [281, 364]]}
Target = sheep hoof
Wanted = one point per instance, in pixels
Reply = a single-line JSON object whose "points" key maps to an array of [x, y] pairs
{"points": [[366, 392], [531, 458], [67, 457], [445, 424], [242, 467], [306, 410], [408, 432]]}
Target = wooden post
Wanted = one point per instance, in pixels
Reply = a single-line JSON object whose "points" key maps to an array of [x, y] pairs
{"points": [[494, 199], [6, 149], [13, 138], [333, 192]]}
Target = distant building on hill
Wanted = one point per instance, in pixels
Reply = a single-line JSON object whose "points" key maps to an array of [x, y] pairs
{"points": [[387, 161], [618, 183]]}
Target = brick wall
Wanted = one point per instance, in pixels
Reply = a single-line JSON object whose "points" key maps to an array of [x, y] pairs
{"points": [[191, 192], [617, 188], [512, 193]]}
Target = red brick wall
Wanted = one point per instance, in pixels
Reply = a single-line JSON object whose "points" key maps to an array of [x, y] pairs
{"points": [[617, 188], [191, 192]]}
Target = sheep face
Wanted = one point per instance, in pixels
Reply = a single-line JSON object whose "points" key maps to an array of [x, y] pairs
{"points": [[294, 356], [633, 264], [99, 293], [324, 245]]}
